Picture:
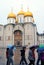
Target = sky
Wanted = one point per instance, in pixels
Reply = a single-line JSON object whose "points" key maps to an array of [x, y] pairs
{"points": [[35, 6]]}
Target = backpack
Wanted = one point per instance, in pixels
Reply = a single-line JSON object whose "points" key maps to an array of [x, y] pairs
{"points": [[30, 56], [11, 53]]}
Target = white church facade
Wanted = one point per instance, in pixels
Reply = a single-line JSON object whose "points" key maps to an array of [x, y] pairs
{"points": [[20, 30]]}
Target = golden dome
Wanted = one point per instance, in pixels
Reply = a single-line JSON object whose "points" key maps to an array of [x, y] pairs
{"points": [[11, 15], [21, 12], [28, 13]]}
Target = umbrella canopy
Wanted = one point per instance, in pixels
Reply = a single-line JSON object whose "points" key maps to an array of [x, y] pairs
{"points": [[34, 46], [9, 46], [41, 45], [40, 49]]}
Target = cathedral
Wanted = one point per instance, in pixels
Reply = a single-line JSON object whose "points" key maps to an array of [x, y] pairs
{"points": [[20, 29]]}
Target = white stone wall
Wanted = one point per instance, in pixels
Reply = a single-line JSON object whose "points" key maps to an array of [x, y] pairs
{"points": [[28, 19], [1, 35], [29, 34], [8, 31], [11, 20], [35, 34], [20, 18]]}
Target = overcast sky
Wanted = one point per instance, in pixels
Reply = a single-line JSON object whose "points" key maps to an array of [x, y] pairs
{"points": [[35, 6]]}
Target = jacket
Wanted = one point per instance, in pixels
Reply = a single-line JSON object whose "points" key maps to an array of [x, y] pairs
{"points": [[31, 57]]}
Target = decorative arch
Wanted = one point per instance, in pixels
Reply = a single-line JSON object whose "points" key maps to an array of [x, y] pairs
{"points": [[18, 27], [18, 37]]}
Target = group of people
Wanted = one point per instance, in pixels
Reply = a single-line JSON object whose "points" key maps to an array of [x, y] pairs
{"points": [[31, 56]]}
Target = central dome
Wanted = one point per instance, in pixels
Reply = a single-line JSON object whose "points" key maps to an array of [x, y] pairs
{"points": [[28, 13], [11, 15], [21, 12]]}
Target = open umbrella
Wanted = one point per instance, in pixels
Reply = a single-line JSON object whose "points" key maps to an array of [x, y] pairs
{"points": [[9, 46], [34, 46], [41, 45], [40, 49]]}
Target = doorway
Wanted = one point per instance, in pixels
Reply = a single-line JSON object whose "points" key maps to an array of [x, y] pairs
{"points": [[17, 42]]}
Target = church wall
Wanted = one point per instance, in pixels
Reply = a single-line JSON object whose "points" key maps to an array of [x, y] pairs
{"points": [[19, 27], [29, 19], [1, 35], [8, 35], [29, 34], [20, 18], [35, 34], [11, 20]]}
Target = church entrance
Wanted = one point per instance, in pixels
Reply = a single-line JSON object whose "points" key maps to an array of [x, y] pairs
{"points": [[17, 42]]}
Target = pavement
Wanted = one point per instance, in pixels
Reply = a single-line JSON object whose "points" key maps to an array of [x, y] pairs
{"points": [[2, 56]]}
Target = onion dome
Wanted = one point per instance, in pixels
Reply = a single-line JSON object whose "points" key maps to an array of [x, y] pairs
{"points": [[21, 12], [28, 13], [11, 15]]}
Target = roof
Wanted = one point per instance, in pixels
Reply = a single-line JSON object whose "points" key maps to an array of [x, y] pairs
{"points": [[11, 15]]}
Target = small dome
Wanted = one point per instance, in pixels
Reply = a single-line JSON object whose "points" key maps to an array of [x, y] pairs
{"points": [[11, 15], [28, 13], [21, 12]]}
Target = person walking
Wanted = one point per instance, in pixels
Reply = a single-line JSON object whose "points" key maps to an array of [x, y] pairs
{"points": [[10, 55], [23, 56], [39, 57], [42, 58], [31, 56], [7, 56]]}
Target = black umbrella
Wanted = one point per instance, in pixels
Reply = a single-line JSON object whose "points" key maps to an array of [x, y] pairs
{"points": [[34, 46]]}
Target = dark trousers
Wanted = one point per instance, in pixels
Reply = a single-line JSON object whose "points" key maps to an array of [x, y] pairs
{"points": [[9, 61], [42, 62], [38, 61], [32, 62], [23, 59]]}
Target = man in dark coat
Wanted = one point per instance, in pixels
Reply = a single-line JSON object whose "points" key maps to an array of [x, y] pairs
{"points": [[7, 56], [39, 57], [23, 56]]}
